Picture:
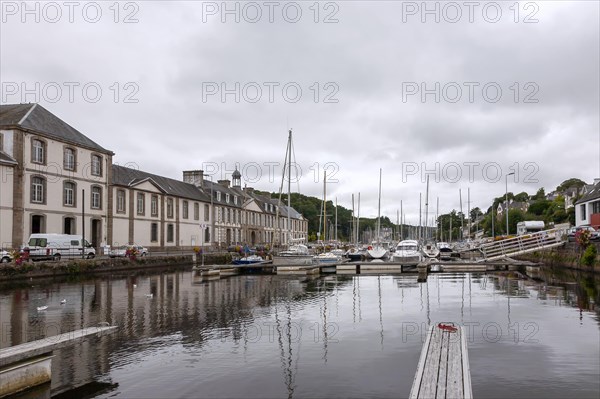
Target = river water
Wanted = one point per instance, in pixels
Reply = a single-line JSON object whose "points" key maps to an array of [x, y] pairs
{"points": [[268, 336]]}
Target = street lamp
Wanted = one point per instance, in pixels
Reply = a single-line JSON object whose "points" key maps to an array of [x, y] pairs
{"points": [[506, 199]]}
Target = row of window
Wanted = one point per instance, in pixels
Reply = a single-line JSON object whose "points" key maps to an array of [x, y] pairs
{"points": [[141, 206], [170, 233], [268, 207], [217, 196], [38, 193], [39, 150]]}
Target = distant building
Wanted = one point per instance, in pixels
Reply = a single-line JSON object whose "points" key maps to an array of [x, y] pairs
{"points": [[587, 208], [156, 211], [523, 206]]}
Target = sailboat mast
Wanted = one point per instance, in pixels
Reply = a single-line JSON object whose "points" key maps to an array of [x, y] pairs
{"points": [[427, 210], [401, 222], [324, 205], [379, 209], [420, 231], [336, 222], [358, 221], [437, 213], [397, 223], [461, 214], [289, 186], [353, 219], [469, 209]]}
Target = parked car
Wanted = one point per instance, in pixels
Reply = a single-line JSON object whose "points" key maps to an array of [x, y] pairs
{"points": [[5, 256], [122, 251], [594, 234]]}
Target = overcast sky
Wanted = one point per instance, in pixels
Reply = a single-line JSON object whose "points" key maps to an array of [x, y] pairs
{"points": [[487, 89]]}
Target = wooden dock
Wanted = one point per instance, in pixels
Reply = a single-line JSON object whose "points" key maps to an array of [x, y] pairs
{"points": [[30, 364], [443, 370]]}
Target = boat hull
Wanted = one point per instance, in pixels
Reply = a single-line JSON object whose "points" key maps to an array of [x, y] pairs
{"points": [[296, 260]]}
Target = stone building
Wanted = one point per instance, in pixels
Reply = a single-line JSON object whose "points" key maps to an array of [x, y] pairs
{"points": [[54, 178]]}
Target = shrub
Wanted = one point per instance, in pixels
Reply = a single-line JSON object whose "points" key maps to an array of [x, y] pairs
{"points": [[589, 256]]}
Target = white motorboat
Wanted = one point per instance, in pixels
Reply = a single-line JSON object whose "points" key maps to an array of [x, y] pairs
{"points": [[408, 253], [297, 254], [430, 250], [445, 250], [328, 258]]}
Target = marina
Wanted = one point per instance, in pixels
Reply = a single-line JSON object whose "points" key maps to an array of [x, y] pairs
{"points": [[311, 335]]}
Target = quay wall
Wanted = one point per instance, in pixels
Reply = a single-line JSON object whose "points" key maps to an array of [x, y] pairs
{"points": [[568, 255], [73, 267]]}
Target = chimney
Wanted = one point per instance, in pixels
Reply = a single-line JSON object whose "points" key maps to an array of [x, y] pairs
{"points": [[195, 177], [248, 190], [224, 183]]}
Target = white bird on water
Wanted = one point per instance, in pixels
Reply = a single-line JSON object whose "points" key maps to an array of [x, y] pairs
{"points": [[63, 301], [149, 295], [40, 308]]}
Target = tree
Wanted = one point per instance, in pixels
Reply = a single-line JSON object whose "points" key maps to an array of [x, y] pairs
{"points": [[572, 182], [514, 216], [539, 207], [541, 194], [522, 197], [476, 213]]}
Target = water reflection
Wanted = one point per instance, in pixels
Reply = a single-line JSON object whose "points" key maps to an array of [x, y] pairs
{"points": [[297, 336]]}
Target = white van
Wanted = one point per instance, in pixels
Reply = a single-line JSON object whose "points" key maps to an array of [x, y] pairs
{"points": [[56, 246]]}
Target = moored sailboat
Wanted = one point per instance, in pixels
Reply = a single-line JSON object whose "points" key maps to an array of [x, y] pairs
{"points": [[377, 251]]}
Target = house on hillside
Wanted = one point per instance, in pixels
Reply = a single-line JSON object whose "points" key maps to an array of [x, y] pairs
{"points": [[521, 205], [587, 208]]}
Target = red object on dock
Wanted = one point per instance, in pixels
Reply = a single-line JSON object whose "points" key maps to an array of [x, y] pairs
{"points": [[447, 327]]}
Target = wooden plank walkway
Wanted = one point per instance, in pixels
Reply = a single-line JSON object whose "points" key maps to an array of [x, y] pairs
{"points": [[443, 370], [31, 349]]}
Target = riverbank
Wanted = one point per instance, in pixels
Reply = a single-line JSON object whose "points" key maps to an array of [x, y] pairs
{"points": [[568, 255], [74, 267]]}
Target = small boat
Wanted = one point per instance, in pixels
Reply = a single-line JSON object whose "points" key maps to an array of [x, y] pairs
{"points": [[328, 258], [377, 252], [248, 260], [445, 250], [431, 251], [41, 308], [295, 255], [407, 253], [356, 254]]}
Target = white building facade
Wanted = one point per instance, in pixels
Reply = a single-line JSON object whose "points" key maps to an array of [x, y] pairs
{"points": [[58, 182]]}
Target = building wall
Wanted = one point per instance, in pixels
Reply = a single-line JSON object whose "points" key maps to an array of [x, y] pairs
{"points": [[6, 206], [580, 220], [52, 209]]}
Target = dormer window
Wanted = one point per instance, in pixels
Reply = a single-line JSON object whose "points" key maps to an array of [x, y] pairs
{"points": [[227, 198], [235, 199], [218, 196]]}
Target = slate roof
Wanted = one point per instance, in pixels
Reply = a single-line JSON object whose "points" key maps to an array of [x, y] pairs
{"points": [[36, 118], [122, 176], [591, 194], [216, 187], [7, 159]]}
